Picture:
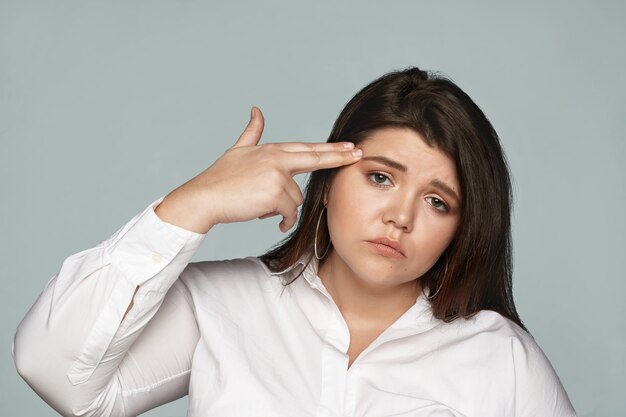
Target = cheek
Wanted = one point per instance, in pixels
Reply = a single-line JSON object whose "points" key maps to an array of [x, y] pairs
{"points": [[352, 205], [444, 233], [432, 241], [342, 217], [442, 240]]}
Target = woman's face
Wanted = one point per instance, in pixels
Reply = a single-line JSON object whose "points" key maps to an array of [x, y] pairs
{"points": [[402, 190]]}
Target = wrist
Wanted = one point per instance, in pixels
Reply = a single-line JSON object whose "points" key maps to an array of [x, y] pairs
{"points": [[179, 211]]}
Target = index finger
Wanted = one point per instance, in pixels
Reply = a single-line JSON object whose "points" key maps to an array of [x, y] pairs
{"points": [[301, 162], [314, 146]]}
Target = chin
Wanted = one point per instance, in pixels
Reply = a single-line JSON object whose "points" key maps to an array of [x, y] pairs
{"points": [[377, 273]]}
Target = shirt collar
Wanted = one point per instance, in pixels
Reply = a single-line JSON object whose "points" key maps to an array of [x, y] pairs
{"points": [[307, 264], [418, 318]]}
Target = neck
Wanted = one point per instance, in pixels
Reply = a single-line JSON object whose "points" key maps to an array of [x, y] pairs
{"points": [[361, 304]]}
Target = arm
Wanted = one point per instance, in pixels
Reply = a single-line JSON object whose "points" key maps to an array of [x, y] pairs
{"points": [[114, 331], [96, 342]]}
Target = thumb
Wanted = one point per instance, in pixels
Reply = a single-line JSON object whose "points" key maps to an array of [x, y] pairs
{"points": [[253, 131]]}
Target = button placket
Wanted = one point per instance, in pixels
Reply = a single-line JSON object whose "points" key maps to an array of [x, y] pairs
{"points": [[335, 365], [157, 258], [350, 393]]}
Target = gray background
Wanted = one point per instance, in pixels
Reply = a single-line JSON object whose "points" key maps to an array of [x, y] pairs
{"points": [[105, 106]]}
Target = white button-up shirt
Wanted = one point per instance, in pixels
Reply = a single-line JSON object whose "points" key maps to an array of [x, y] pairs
{"points": [[227, 334]]}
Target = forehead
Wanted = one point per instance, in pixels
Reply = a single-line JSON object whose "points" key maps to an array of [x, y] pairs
{"points": [[407, 147]]}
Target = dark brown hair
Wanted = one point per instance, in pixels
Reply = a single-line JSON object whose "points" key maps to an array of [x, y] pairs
{"points": [[474, 273]]}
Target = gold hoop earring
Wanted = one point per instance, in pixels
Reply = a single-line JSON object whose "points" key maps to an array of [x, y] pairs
{"points": [[315, 241]]}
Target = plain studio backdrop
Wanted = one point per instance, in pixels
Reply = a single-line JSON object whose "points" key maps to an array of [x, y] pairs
{"points": [[105, 106]]}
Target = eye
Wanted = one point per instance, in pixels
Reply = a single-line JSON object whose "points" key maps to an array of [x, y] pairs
{"points": [[438, 204], [379, 178]]}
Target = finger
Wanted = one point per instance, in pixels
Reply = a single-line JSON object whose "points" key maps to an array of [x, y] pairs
{"points": [[266, 215], [314, 146], [293, 189], [301, 162], [295, 194], [287, 208], [254, 129]]}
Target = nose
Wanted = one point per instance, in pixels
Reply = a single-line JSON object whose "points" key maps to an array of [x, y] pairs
{"points": [[400, 211]]}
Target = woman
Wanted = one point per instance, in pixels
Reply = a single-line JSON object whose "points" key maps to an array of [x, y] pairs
{"points": [[392, 295]]}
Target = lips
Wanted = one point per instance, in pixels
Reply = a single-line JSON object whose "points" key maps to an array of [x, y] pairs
{"points": [[388, 242]]}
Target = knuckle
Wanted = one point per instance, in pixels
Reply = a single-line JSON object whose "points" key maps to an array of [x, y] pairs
{"points": [[277, 191], [265, 149], [274, 156], [299, 197], [274, 177], [278, 178]]}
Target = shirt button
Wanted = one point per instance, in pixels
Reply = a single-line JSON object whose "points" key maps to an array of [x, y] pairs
{"points": [[156, 258]]}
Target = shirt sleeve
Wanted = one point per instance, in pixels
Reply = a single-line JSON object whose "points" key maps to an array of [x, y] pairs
{"points": [[75, 350], [538, 389]]}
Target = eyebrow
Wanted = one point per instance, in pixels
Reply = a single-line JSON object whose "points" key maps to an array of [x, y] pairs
{"points": [[445, 188], [402, 168], [386, 161]]}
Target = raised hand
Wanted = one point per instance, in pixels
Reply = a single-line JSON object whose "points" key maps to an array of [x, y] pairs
{"points": [[251, 181]]}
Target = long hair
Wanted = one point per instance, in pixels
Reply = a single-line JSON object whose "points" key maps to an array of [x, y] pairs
{"points": [[474, 273]]}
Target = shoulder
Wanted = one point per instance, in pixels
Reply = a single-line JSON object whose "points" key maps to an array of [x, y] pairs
{"points": [[514, 354], [247, 266], [501, 338], [229, 277], [495, 328], [488, 332]]}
